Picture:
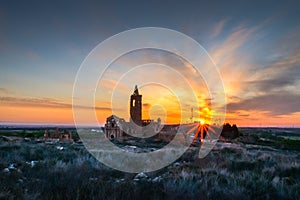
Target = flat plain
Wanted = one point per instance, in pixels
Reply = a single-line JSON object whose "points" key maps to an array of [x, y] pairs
{"points": [[263, 163]]}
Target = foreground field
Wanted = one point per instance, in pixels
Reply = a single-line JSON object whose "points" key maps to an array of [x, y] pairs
{"points": [[261, 164]]}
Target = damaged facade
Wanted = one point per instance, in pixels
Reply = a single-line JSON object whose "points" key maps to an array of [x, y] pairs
{"points": [[63, 135], [117, 127]]}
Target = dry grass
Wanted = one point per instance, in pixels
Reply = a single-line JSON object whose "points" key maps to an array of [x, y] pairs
{"points": [[231, 171]]}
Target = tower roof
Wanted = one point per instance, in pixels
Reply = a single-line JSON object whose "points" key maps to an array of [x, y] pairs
{"points": [[136, 91]]}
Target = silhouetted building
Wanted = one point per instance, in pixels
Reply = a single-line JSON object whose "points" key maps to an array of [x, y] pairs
{"points": [[136, 107], [64, 135], [116, 127], [112, 127]]}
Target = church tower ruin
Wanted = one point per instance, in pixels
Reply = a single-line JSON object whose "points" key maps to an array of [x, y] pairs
{"points": [[136, 107]]}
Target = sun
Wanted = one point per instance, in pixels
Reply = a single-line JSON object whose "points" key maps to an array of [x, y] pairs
{"points": [[202, 121]]}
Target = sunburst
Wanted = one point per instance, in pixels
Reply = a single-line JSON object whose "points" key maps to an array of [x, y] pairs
{"points": [[204, 130]]}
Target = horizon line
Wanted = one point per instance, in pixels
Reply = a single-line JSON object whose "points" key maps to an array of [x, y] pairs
{"points": [[102, 125]]}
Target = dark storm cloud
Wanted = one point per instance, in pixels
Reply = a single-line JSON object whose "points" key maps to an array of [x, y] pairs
{"points": [[280, 103]]}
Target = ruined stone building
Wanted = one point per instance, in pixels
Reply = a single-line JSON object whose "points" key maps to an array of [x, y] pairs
{"points": [[136, 107], [116, 127], [112, 127], [63, 135]]}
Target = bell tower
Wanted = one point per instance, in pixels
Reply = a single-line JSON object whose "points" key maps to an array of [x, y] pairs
{"points": [[136, 107]]}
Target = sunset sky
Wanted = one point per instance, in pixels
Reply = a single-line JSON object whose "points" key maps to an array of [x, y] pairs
{"points": [[255, 46]]}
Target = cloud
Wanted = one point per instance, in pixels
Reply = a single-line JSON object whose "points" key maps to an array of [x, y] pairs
{"points": [[271, 84], [270, 89], [238, 37], [279, 74], [279, 103], [42, 103], [228, 54], [244, 115], [234, 98], [217, 29], [146, 105], [5, 90]]}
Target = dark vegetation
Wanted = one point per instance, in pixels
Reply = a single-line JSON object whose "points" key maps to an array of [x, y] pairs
{"points": [[279, 138], [253, 166], [33, 132], [230, 132], [23, 133]]}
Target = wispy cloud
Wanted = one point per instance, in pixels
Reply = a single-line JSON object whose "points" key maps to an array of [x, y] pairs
{"points": [[217, 29], [279, 103], [146, 105], [248, 81], [234, 65], [42, 103], [283, 72], [228, 48], [5, 90]]}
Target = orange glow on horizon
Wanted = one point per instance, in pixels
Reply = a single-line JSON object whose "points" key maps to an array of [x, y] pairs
{"points": [[20, 114], [161, 104], [36, 115]]}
